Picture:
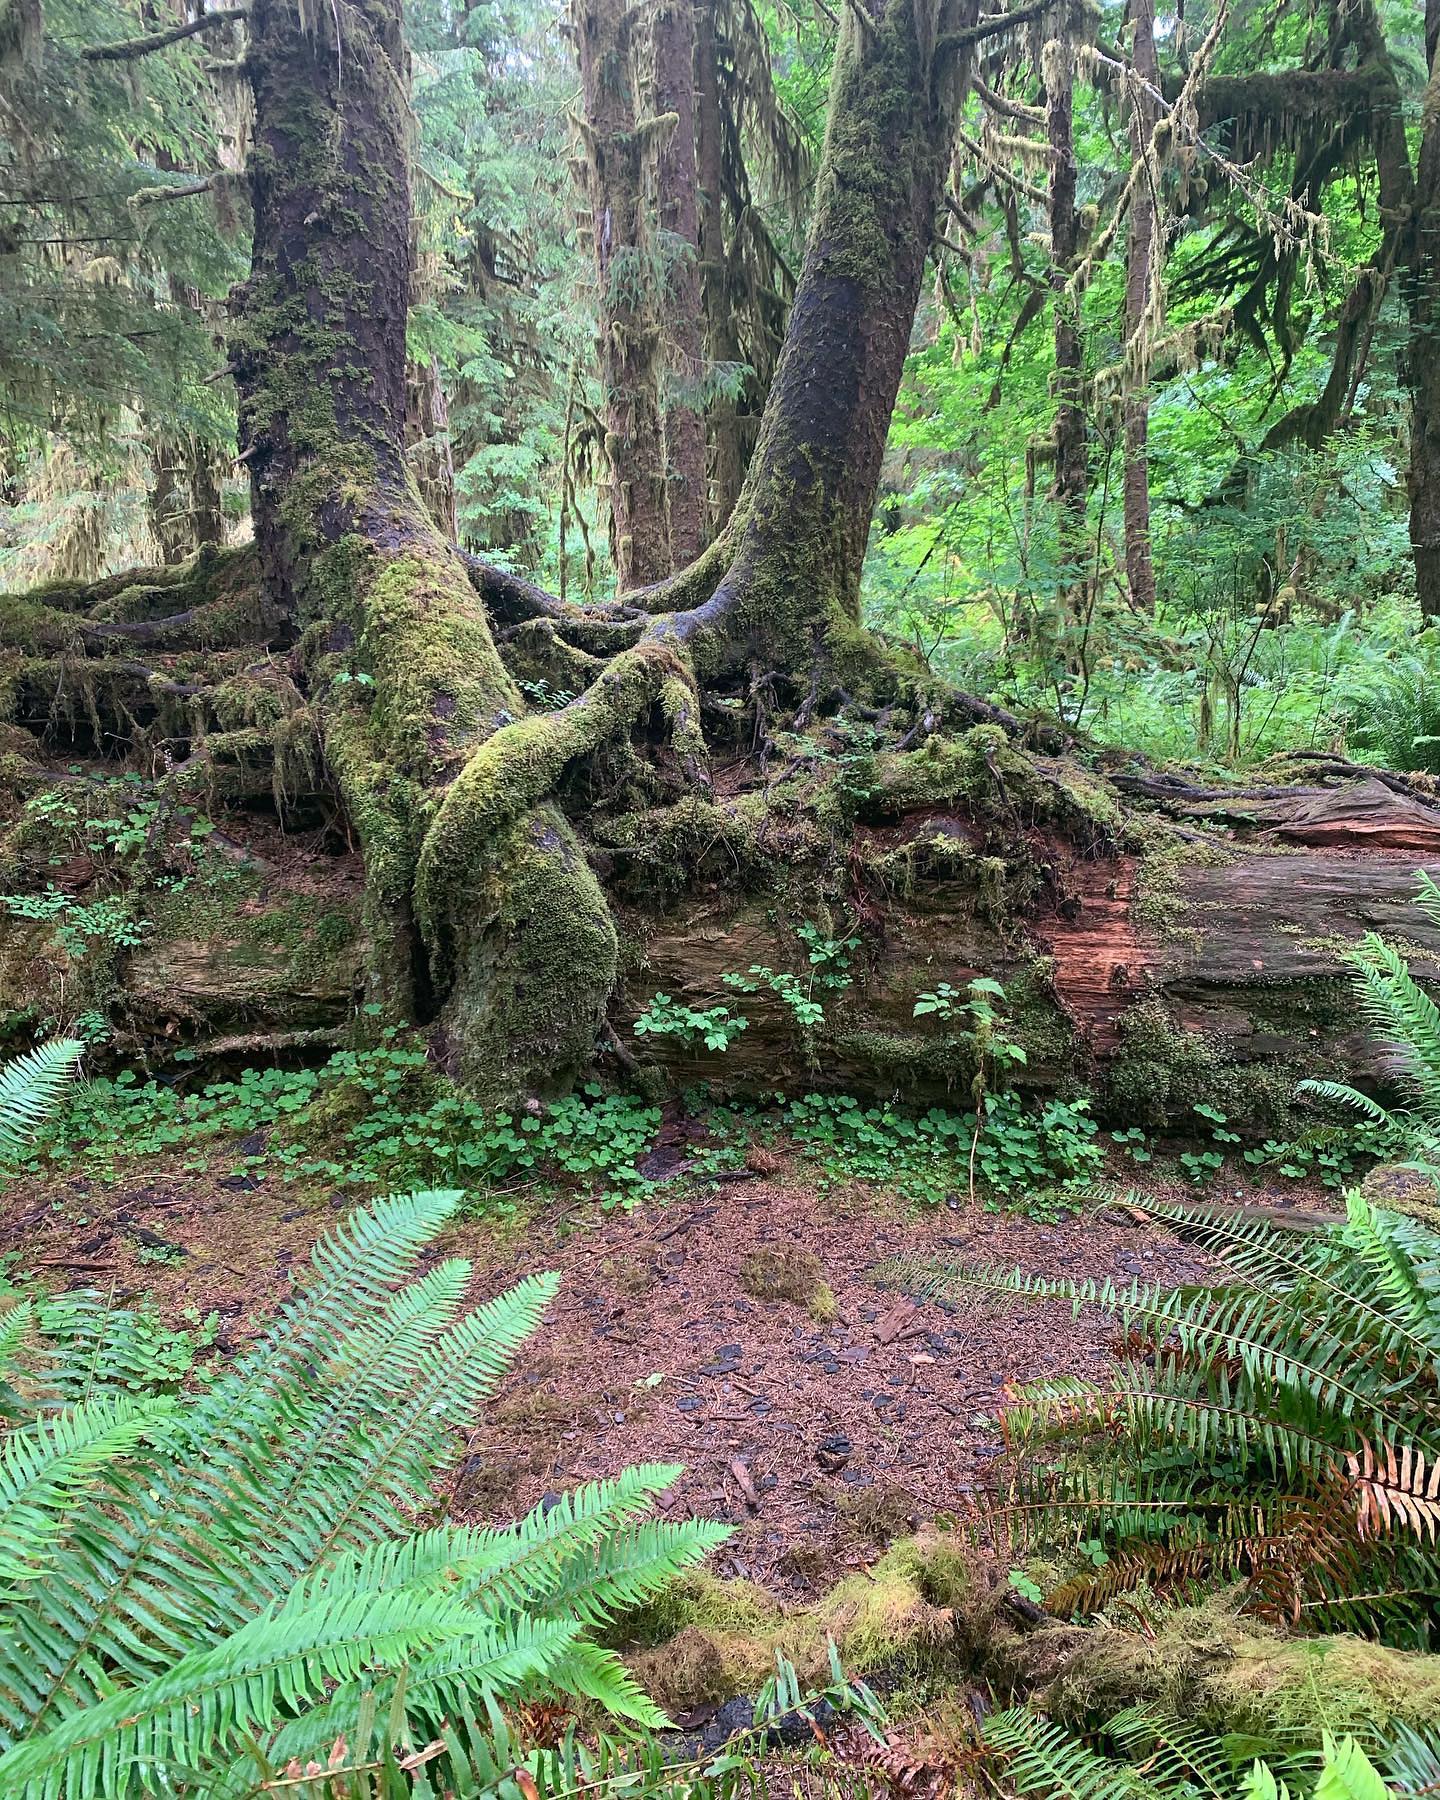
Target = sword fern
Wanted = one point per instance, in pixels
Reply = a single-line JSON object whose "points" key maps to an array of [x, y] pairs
{"points": [[195, 1593]]}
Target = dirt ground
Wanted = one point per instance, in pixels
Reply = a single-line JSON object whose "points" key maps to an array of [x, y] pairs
{"points": [[820, 1438]]}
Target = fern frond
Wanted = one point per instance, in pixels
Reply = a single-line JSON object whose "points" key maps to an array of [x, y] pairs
{"points": [[1041, 1758], [30, 1089], [1411, 1758], [1339, 1093], [205, 1703], [48, 1465], [1403, 1255], [15, 1327], [1272, 1346], [1400, 1012], [190, 1533], [1391, 1487]]}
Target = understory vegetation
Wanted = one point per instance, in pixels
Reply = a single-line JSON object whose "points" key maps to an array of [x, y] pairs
{"points": [[719, 931]]}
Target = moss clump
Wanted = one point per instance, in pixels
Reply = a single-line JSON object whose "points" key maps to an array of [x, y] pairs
{"points": [[1160, 1070], [880, 1514], [788, 1272], [629, 1274], [1206, 1664], [538, 962], [705, 1639], [1403, 1190], [1159, 904]]}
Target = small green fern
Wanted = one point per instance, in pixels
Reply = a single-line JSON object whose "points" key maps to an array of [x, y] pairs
{"points": [[197, 1595], [30, 1089], [1406, 1022], [1145, 1755]]}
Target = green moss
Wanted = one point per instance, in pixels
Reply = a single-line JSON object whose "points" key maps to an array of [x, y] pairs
{"points": [[282, 940], [535, 965], [787, 1272], [996, 779], [1160, 904], [706, 1640], [1204, 1664]]}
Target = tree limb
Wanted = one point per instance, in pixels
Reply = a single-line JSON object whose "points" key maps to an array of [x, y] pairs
{"points": [[129, 48], [954, 41]]}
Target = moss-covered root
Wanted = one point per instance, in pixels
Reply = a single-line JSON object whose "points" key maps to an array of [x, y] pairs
{"points": [[1210, 1665], [534, 960], [519, 934], [515, 769], [710, 1640]]}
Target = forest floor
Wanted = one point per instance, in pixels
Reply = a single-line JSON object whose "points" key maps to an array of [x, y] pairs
{"points": [[823, 1426]]}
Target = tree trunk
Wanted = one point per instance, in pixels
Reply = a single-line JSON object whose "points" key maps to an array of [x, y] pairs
{"points": [[727, 449], [687, 499], [514, 963], [1183, 952], [629, 337], [167, 502], [1209, 973], [1071, 470], [427, 445], [207, 514], [792, 591], [1422, 287], [1139, 277]]}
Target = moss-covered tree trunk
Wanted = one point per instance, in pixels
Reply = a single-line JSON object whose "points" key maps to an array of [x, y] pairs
{"points": [[678, 212], [727, 451], [625, 256], [1071, 468], [1139, 278], [1422, 285], [512, 965]]}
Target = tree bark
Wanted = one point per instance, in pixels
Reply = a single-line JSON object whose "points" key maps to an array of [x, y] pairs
{"points": [[1422, 289], [1139, 277], [727, 449], [629, 336], [427, 445], [512, 965], [1068, 489], [687, 498], [166, 502]]}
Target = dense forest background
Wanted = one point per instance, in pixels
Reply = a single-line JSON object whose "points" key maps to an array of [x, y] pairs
{"points": [[719, 830], [1167, 405]]}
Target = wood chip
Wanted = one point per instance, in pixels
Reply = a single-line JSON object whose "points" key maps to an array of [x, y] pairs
{"points": [[896, 1321], [745, 1484]]}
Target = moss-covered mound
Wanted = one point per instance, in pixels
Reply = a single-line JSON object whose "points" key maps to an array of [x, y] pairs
{"points": [[708, 1640]]}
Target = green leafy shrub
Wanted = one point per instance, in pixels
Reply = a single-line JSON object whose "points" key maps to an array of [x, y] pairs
{"points": [[1020, 1148], [368, 1119], [716, 1027], [196, 1591]]}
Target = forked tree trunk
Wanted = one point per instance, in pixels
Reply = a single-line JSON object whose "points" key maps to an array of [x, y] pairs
{"points": [[792, 591], [1187, 959], [687, 501], [1139, 273]]}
